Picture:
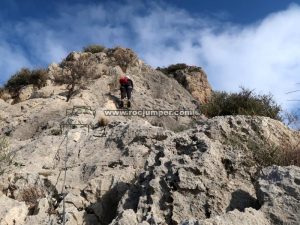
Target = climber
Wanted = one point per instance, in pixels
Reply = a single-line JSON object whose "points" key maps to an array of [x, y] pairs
{"points": [[126, 87]]}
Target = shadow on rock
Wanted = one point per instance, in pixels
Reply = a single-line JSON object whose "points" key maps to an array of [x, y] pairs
{"points": [[241, 200], [104, 210]]}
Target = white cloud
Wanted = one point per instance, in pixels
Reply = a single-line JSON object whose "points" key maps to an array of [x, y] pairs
{"points": [[263, 56]]}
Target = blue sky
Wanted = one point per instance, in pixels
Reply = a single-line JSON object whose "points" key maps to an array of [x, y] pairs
{"points": [[255, 43]]}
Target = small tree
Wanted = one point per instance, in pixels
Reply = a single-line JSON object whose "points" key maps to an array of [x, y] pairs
{"points": [[75, 75], [72, 75]]}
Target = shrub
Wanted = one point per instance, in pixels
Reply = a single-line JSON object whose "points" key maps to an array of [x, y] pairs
{"points": [[103, 121], [18, 80], [55, 132], [179, 66], [39, 77], [267, 154], [25, 77], [243, 103], [31, 195], [94, 48], [264, 152], [4, 94], [173, 68]]}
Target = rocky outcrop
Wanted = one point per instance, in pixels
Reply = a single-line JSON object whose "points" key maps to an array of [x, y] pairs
{"points": [[65, 164], [153, 90], [25, 93], [137, 173], [192, 78]]}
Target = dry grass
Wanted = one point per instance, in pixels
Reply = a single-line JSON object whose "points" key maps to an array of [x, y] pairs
{"points": [[103, 121], [55, 132], [4, 94], [31, 196], [265, 153]]}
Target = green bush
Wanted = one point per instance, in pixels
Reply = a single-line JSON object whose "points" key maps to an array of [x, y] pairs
{"points": [[172, 68], [246, 102], [39, 77], [21, 78], [179, 66], [25, 77], [94, 48]]}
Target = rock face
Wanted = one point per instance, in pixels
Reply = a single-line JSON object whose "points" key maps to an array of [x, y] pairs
{"points": [[249, 217], [62, 163], [25, 93], [192, 78], [279, 194], [12, 212]]}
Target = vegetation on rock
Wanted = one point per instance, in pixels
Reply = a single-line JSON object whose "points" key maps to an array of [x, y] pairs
{"points": [[179, 66], [24, 77], [246, 102], [94, 48]]}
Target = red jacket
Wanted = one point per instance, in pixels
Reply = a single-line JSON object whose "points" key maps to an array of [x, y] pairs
{"points": [[123, 80], [126, 82]]}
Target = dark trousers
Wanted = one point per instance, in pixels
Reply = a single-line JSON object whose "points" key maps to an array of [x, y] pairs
{"points": [[126, 92]]}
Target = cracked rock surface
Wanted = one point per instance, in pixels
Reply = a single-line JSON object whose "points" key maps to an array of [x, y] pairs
{"points": [[138, 170]]}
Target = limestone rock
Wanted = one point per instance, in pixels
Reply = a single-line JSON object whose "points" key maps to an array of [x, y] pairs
{"points": [[138, 169], [249, 217], [192, 78], [11, 211], [54, 70], [279, 194], [73, 56], [128, 217], [45, 92], [25, 93]]}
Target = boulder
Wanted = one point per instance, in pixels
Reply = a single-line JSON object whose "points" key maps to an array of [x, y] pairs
{"points": [[26, 93]]}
